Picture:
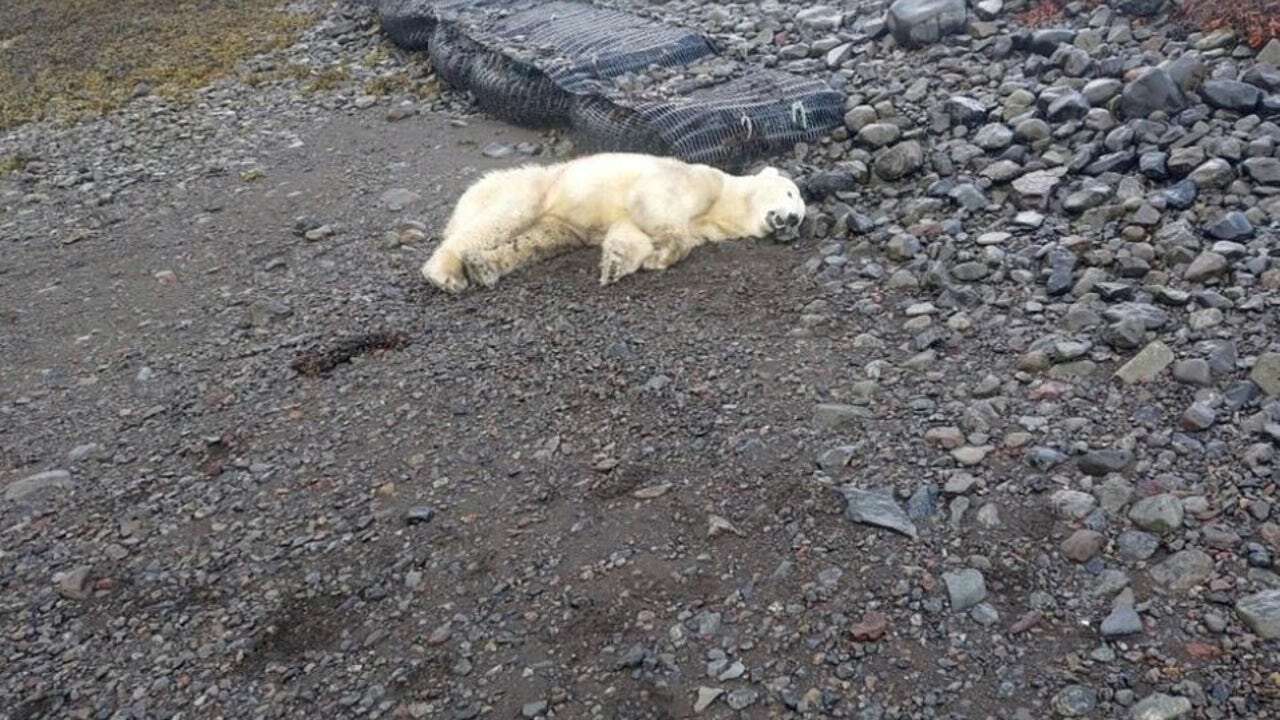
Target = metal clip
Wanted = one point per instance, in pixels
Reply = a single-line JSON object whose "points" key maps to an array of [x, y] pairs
{"points": [[747, 125], [799, 115]]}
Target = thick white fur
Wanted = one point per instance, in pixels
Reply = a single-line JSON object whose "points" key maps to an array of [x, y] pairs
{"points": [[643, 211]]}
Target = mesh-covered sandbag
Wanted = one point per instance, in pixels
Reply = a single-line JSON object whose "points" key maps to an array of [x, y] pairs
{"points": [[618, 81]]}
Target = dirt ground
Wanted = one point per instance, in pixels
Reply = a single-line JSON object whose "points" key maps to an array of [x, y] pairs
{"points": [[254, 466]]}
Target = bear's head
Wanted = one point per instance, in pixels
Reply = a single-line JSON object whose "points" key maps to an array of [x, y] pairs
{"points": [[778, 204]]}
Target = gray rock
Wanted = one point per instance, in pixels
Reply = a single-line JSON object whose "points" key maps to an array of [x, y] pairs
{"points": [[988, 9], [1123, 620], [1231, 95], [1265, 170], [859, 117], [1152, 91], [879, 134], [706, 696], [1141, 8], [966, 588], [49, 480], [899, 161], [1183, 570], [995, 136], [85, 452], [835, 459], [1039, 183], [397, 199], [1213, 173], [1135, 545], [742, 698], [1075, 701], [1046, 42], [1161, 514], [1270, 54], [1072, 504], [1067, 107], [877, 508], [820, 18], [1082, 545], [1159, 706], [1230, 226], [1260, 612], [1206, 265], [1099, 91], [915, 23], [1195, 371], [534, 709], [923, 503], [1265, 373], [1147, 364], [835, 416], [1199, 416], [1102, 462], [964, 110], [74, 583], [419, 515]]}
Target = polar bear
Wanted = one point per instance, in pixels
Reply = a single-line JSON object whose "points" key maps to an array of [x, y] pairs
{"points": [[642, 211]]}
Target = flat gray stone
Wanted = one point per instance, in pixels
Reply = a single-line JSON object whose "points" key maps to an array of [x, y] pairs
{"points": [[1260, 612], [1160, 707], [32, 484], [877, 508], [397, 199], [1183, 570], [837, 415], [1123, 620], [1147, 364]]}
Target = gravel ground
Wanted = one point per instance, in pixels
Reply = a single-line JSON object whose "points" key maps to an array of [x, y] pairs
{"points": [[996, 440]]}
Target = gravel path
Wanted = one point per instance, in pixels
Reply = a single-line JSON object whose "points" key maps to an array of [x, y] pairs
{"points": [[996, 440]]}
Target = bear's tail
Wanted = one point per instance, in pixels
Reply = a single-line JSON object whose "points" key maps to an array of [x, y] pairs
{"points": [[489, 214]]}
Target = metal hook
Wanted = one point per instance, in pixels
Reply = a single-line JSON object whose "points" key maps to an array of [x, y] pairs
{"points": [[799, 115]]}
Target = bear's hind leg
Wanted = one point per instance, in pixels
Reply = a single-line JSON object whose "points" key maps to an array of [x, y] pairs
{"points": [[542, 241], [623, 251]]}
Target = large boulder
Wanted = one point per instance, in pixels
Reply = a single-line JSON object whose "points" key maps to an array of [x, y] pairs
{"points": [[915, 23], [1154, 90]]}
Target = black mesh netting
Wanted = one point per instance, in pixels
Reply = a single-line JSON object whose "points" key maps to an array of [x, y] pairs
{"points": [[617, 81]]}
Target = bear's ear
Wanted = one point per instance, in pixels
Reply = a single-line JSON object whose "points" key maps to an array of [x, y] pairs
{"points": [[768, 171]]}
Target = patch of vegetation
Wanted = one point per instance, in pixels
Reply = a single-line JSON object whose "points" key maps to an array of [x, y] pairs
{"points": [[71, 59], [328, 79], [402, 84], [12, 163], [1257, 22]]}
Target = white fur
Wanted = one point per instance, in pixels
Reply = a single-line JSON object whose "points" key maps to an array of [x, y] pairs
{"points": [[643, 211]]}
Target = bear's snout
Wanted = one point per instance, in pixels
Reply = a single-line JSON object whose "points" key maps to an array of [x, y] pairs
{"points": [[778, 220]]}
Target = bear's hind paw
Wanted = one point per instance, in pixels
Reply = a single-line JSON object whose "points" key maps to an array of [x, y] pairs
{"points": [[480, 272]]}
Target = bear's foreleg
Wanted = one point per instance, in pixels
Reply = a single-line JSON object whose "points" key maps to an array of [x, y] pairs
{"points": [[623, 251]]}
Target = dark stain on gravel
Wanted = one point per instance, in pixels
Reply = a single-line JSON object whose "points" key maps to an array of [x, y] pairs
{"points": [[344, 349], [300, 626]]}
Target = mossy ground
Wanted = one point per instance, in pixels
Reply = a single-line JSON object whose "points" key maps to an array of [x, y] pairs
{"points": [[71, 59]]}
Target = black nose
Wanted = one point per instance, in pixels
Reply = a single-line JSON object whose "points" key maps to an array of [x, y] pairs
{"points": [[793, 219]]}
